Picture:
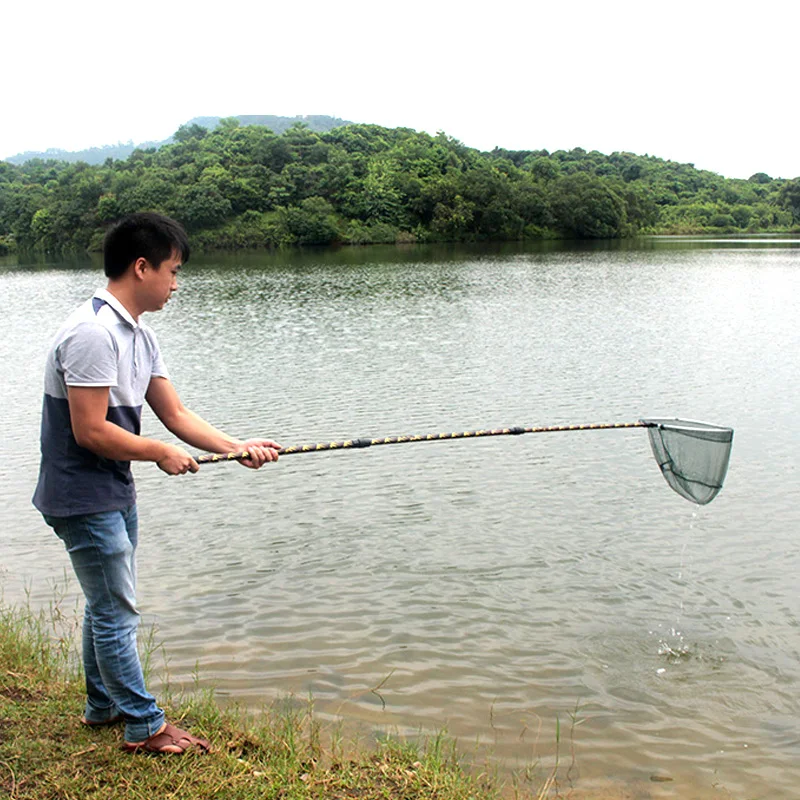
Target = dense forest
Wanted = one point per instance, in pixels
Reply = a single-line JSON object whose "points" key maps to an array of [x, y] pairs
{"points": [[242, 186]]}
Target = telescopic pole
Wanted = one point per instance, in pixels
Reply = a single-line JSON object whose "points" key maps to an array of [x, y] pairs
{"points": [[350, 444]]}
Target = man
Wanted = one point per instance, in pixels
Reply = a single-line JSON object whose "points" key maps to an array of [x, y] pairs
{"points": [[102, 365]]}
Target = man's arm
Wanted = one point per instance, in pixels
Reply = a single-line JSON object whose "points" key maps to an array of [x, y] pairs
{"points": [[88, 406], [194, 430]]}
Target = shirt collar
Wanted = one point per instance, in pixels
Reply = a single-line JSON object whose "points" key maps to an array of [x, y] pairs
{"points": [[106, 296]]}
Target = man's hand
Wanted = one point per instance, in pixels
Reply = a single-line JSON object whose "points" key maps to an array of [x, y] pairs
{"points": [[195, 431], [260, 451], [176, 461]]}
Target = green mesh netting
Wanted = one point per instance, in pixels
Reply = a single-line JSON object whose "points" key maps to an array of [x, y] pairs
{"points": [[693, 456]]}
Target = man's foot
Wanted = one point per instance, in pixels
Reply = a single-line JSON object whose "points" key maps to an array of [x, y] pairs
{"points": [[170, 740]]}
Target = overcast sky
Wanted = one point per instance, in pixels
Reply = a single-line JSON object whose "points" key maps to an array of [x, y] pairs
{"points": [[711, 83]]}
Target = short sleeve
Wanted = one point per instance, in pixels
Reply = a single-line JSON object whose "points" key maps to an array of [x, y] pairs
{"points": [[88, 356]]}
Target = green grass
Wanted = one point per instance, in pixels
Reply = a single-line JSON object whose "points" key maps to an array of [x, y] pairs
{"points": [[45, 753]]}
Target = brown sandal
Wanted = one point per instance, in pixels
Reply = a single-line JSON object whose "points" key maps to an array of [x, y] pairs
{"points": [[169, 740]]}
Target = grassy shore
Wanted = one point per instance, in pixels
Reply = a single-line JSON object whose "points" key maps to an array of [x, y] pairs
{"points": [[45, 753]]}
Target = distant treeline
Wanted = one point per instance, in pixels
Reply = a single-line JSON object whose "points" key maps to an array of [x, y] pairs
{"points": [[244, 186]]}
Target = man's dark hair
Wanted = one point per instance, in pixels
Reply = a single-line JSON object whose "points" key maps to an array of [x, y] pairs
{"points": [[145, 235]]}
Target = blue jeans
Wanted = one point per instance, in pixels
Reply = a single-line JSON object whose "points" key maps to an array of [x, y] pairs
{"points": [[102, 548]]}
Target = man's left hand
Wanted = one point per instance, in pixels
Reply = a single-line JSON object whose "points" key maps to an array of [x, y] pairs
{"points": [[259, 451]]}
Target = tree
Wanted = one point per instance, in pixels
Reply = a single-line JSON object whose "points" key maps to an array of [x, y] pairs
{"points": [[108, 208], [585, 207], [789, 198], [200, 207], [42, 230], [313, 222], [380, 198], [742, 215], [153, 192], [722, 221], [453, 221], [187, 132]]}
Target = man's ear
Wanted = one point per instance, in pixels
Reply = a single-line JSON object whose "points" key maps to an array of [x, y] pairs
{"points": [[139, 267]]}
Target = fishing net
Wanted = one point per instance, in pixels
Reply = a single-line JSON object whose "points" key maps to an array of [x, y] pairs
{"points": [[693, 456]]}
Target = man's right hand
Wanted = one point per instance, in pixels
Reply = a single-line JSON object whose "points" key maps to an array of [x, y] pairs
{"points": [[176, 461]]}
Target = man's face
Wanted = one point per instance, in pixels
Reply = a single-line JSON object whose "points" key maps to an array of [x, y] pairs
{"points": [[160, 283]]}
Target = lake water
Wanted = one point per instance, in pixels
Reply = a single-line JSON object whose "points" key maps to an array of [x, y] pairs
{"points": [[490, 587]]}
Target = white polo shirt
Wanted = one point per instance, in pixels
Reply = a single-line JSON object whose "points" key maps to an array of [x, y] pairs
{"points": [[100, 344]]}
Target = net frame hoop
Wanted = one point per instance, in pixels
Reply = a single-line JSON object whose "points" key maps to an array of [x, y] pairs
{"points": [[700, 430]]}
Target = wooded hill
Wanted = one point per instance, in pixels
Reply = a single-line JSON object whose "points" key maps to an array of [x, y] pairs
{"points": [[98, 155], [244, 186]]}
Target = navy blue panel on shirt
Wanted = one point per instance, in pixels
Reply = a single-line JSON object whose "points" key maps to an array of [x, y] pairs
{"points": [[101, 346], [74, 480]]}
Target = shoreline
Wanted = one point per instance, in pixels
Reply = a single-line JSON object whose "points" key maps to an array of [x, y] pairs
{"points": [[17, 258], [283, 752]]}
